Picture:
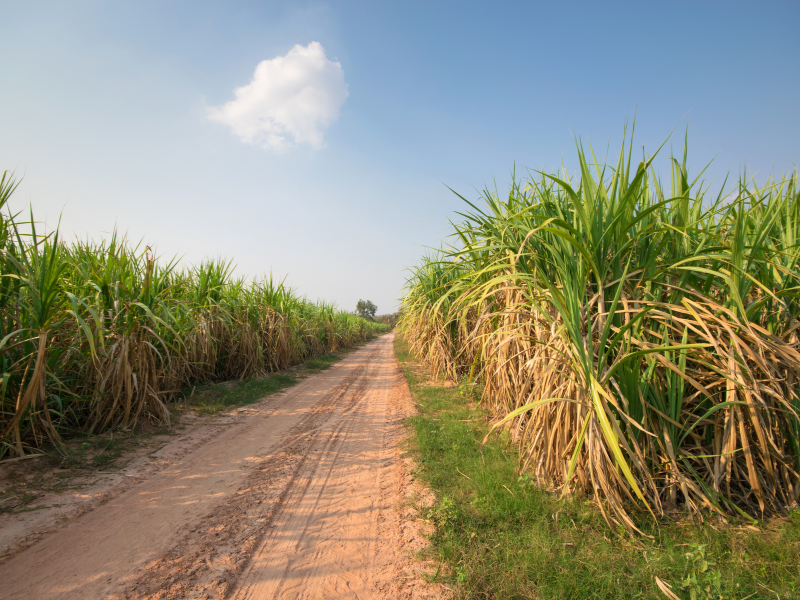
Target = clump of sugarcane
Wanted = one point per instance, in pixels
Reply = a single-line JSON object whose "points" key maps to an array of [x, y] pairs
{"points": [[102, 334], [639, 340]]}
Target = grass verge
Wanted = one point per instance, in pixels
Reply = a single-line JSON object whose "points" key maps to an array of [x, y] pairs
{"points": [[498, 535], [323, 362], [215, 397]]}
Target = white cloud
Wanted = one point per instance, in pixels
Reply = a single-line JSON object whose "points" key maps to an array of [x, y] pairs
{"points": [[290, 100]]}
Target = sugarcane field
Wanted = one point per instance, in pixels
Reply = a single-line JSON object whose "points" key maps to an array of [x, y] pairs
{"points": [[399, 301]]}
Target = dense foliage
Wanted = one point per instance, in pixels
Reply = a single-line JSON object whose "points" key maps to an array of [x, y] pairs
{"points": [[639, 339], [101, 334], [366, 309]]}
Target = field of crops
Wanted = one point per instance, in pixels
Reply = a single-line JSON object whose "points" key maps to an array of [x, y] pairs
{"points": [[637, 337], [95, 335]]}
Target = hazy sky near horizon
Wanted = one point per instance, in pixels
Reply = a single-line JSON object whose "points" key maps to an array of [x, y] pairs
{"points": [[318, 139]]}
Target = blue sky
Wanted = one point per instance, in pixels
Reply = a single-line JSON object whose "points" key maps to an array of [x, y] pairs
{"points": [[105, 113]]}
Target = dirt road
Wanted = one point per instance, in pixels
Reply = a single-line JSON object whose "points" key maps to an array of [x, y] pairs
{"points": [[297, 496]]}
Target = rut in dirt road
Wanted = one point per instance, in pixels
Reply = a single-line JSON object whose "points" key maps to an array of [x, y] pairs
{"points": [[294, 497]]}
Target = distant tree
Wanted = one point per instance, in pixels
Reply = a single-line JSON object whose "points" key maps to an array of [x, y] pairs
{"points": [[366, 309], [388, 319]]}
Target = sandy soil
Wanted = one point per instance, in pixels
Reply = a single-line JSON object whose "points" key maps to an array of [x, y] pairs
{"points": [[298, 496]]}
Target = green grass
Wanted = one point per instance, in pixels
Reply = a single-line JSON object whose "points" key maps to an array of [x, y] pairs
{"points": [[209, 399], [213, 398], [110, 452], [321, 363], [499, 536], [98, 451]]}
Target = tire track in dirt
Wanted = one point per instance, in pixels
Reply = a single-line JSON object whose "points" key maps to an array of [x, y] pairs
{"points": [[205, 561], [298, 497]]}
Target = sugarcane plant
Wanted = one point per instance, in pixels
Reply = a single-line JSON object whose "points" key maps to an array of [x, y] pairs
{"points": [[638, 339], [99, 334]]}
